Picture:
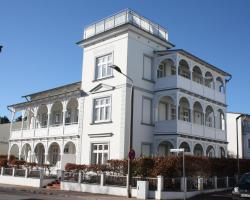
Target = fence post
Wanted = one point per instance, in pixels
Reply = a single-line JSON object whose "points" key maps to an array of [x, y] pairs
{"points": [[102, 179], [215, 182], [79, 177], [160, 184], [227, 182], [26, 173], [183, 184], [41, 177], [2, 171], [13, 171], [200, 183]]}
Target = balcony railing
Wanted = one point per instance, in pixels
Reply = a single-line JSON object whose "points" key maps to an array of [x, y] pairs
{"points": [[124, 17]]}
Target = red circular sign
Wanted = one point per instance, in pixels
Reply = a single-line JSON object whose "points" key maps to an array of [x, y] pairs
{"points": [[131, 154]]}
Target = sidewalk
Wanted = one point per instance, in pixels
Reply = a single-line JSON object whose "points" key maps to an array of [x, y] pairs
{"points": [[61, 193]]}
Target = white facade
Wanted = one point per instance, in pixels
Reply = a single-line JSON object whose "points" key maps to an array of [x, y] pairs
{"points": [[243, 135], [4, 137], [180, 100]]}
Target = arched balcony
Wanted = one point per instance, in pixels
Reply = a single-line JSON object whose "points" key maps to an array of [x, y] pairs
{"points": [[166, 68], [185, 145], [197, 75], [39, 154], [222, 152], [198, 150], [14, 150], [42, 116], [54, 154], [166, 109], [221, 120], [164, 148], [209, 80], [198, 116], [210, 151], [26, 153], [184, 110], [219, 85], [209, 117], [183, 69], [69, 153], [56, 114], [72, 112]]}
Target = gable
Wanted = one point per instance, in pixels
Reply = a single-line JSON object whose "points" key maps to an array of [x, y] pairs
{"points": [[101, 88]]}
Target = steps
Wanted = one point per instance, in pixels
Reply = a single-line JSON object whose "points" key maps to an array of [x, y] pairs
{"points": [[55, 185]]}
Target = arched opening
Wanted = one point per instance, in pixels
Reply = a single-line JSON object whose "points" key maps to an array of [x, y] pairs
{"points": [[210, 151], [28, 119], [17, 121], [220, 85], [164, 148], [54, 154], [184, 110], [185, 145], [166, 109], [209, 80], [183, 69], [166, 68], [72, 112], [198, 116], [26, 153], [198, 150], [222, 152], [69, 154], [42, 116], [57, 114], [40, 154], [197, 75], [221, 120], [209, 117], [14, 150]]}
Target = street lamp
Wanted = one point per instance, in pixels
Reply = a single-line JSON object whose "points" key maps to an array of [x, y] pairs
{"points": [[182, 150], [130, 145], [237, 141]]}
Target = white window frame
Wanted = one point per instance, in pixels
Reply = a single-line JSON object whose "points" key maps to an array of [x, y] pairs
{"points": [[146, 144], [143, 75], [151, 110], [98, 151], [100, 76], [100, 106]]}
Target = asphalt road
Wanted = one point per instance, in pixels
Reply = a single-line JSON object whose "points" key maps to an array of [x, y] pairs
{"points": [[18, 193]]}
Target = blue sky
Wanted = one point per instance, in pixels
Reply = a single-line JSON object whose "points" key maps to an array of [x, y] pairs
{"points": [[39, 39]]}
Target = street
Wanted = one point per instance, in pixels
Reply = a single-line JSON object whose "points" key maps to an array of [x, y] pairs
{"points": [[24, 193]]}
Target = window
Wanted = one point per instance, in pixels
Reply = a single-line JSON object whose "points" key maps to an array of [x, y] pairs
{"points": [[68, 117], [161, 72], [209, 122], [185, 115], [145, 149], [173, 112], [147, 68], [99, 153], [102, 66], [102, 109], [146, 110]]}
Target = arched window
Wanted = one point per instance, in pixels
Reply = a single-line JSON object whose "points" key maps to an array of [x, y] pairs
{"points": [[184, 110], [72, 112], [209, 117], [222, 152], [210, 151], [198, 150], [185, 145], [209, 80], [197, 75], [220, 85], [166, 109], [166, 68], [221, 120], [54, 154], [40, 153], [42, 116], [183, 69], [14, 150], [198, 115], [26, 153], [56, 113]]}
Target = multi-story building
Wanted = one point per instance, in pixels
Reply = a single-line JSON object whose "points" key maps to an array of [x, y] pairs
{"points": [[179, 100], [4, 137], [243, 134]]}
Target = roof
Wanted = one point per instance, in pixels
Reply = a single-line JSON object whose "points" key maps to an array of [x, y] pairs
{"points": [[187, 54], [239, 113]]}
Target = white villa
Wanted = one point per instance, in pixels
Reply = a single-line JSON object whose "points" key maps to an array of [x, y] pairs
{"points": [[180, 100]]}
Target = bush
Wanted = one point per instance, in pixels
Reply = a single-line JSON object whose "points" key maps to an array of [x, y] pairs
{"points": [[17, 163]]}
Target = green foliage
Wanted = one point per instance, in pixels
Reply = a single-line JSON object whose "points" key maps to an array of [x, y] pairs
{"points": [[4, 120]]}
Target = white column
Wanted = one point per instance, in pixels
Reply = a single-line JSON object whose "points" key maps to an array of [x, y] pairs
{"points": [[12, 119], [64, 113], [23, 113], [49, 113]]}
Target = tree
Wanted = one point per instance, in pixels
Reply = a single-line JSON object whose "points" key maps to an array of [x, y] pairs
{"points": [[4, 120], [18, 119]]}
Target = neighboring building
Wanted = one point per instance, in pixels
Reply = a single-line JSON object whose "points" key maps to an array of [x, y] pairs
{"points": [[4, 138], [243, 135], [180, 100]]}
